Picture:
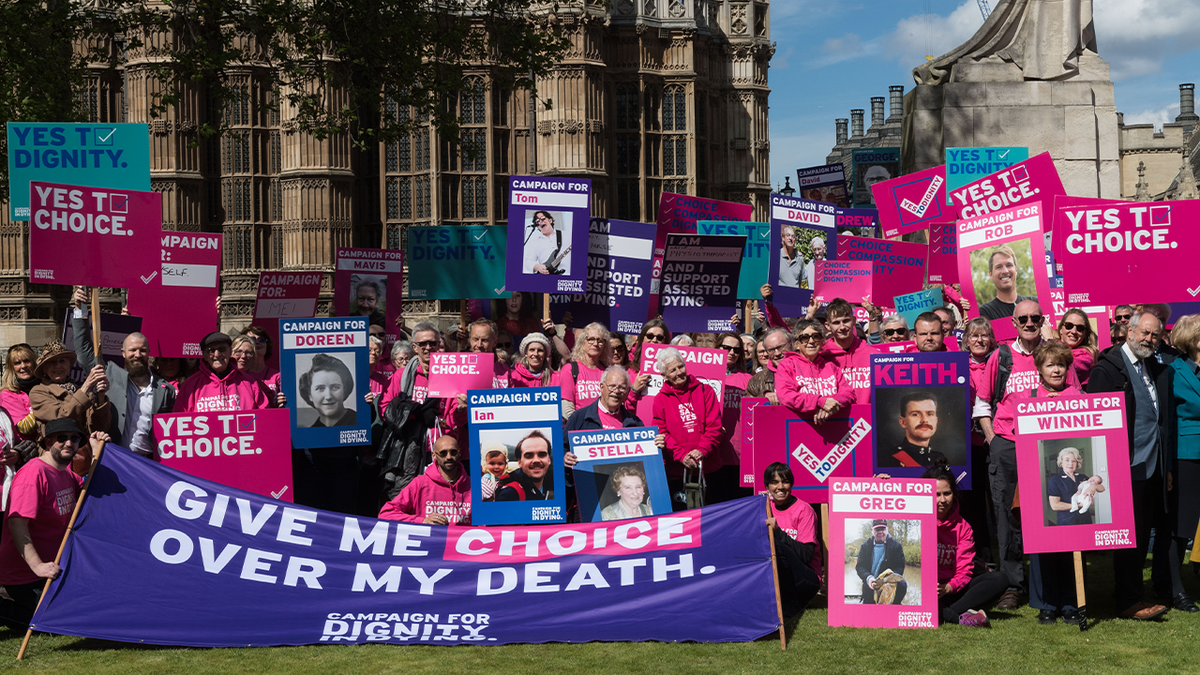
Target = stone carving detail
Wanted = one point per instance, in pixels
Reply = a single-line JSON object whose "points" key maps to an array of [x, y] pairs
{"points": [[677, 9], [625, 7], [737, 16], [650, 8]]}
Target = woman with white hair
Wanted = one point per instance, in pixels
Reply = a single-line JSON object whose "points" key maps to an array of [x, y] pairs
{"points": [[1062, 486], [688, 416]]}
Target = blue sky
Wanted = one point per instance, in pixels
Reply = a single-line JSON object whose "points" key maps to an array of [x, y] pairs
{"points": [[834, 55]]}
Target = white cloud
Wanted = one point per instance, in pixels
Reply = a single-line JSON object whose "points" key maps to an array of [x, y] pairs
{"points": [[924, 35], [1136, 36], [1155, 117], [849, 46]]}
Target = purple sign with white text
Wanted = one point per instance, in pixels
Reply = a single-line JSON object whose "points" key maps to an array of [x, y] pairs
{"points": [[700, 281], [547, 234]]}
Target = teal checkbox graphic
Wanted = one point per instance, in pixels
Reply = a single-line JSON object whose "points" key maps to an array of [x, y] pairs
{"points": [[104, 135]]}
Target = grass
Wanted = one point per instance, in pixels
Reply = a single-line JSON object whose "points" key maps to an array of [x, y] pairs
{"points": [[1015, 644]]}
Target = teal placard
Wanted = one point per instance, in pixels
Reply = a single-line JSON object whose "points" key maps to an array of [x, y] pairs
{"points": [[463, 262], [967, 165], [756, 256], [912, 305], [91, 155]]}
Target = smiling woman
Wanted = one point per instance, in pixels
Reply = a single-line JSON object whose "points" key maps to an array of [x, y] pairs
{"points": [[326, 387]]}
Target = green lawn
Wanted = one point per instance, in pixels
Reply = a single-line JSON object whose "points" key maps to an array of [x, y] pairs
{"points": [[1016, 643]]}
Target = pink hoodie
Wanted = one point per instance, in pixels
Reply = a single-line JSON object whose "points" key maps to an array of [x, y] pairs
{"points": [[803, 385], [955, 551], [428, 494], [731, 419], [520, 376], [855, 364], [1082, 363], [690, 418], [205, 392], [269, 377]]}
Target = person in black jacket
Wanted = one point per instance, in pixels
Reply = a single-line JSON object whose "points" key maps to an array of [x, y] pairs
{"points": [[891, 557], [1147, 385]]}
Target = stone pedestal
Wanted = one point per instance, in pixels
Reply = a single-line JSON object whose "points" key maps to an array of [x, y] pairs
{"points": [[989, 103]]}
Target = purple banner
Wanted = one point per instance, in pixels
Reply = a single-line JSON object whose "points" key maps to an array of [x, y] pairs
{"points": [[547, 234], [700, 281], [290, 575]]}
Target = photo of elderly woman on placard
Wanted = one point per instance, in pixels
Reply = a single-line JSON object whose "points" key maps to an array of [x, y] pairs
{"points": [[1074, 496], [628, 484], [325, 384]]}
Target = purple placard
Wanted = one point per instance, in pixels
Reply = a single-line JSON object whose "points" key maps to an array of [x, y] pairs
{"points": [[700, 281], [858, 222], [547, 234], [801, 231], [191, 272], [620, 265]]}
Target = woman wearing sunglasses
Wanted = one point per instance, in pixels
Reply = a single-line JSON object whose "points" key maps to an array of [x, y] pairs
{"points": [[654, 332], [809, 384], [1075, 331]]}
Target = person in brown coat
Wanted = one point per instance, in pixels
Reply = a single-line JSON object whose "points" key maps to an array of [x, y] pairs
{"points": [[58, 397]]}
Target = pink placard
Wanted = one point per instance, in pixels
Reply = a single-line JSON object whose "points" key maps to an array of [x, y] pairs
{"points": [[250, 450], [1035, 179], [706, 365], [748, 470], [93, 236], [817, 454], [899, 265], [453, 373], [908, 596], [894, 347], [984, 244], [1060, 226], [911, 202], [287, 295], [943, 253], [191, 278], [849, 279], [1131, 251], [377, 276], [1094, 426]]}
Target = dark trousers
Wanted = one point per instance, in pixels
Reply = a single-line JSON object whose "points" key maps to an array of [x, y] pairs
{"points": [[326, 478], [1052, 581], [975, 503], [798, 583], [18, 612], [1002, 477], [724, 485], [980, 593], [1149, 510]]}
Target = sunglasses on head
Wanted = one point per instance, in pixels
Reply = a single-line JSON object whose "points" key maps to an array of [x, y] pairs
{"points": [[1029, 318]]}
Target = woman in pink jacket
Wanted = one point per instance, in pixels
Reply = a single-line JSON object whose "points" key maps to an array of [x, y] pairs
{"points": [[809, 384], [688, 416]]}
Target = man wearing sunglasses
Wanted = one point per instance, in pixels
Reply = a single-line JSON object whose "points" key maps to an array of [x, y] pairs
{"points": [[40, 502], [529, 482], [440, 496], [413, 381]]}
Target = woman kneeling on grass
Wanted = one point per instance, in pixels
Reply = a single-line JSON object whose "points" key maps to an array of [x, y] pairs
{"points": [[962, 591], [794, 526]]}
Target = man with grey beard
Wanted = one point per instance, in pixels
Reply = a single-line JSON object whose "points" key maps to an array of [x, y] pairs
{"points": [[136, 392], [1147, 386]]}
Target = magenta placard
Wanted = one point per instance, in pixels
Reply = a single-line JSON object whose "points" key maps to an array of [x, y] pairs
{"points": [[1094, 506], [249, 450], [287, 295], [190, 277], [838, 448], [1059, 231], [1035, 179], [943, 253], [899, 265], [912, 202], [377, 276], [452, 373], [706, 365], [748, 470], [843, 279], [894, 347], [1123, 251], [93, 236], [908, 596]]}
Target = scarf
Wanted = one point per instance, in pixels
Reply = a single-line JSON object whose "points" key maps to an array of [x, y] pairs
{"points": [[26, 385]]}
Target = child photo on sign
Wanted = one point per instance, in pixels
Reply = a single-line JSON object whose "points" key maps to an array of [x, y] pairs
{"points": [[1076, 478], [325, 383], [1003, 276], [547, 243], [883, 561], [532, 479]]}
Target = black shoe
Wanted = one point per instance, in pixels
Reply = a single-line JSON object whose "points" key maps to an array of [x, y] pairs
{"points": [[1047, 617], [1009, 601], [1070, 616], [1183, 603]]}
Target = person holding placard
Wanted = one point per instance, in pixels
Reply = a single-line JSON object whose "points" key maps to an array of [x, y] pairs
{"points": [[326, 386], [806, 382], [929, 334], [979, 340], [379, 379], [56, 396], [532, 365], [218, 385], [845, 348], [776, 344], [793, 525], [413, 379], [726, 479], [580, 380], [688, 415], [607, 412], [1075, 331], [245, 356], [259, 371]]}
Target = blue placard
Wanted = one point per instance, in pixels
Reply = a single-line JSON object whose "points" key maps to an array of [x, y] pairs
{"points": [[912, 305], [522, 423], [620, 474], [967, 165], [94, 155], [456, 262], [324, 373]]}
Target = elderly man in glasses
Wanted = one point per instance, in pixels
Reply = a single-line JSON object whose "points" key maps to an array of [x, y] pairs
{"points": [[413, 380], [440, 496]]}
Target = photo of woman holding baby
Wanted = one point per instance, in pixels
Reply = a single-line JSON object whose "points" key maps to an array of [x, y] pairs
{"points": [[1072, 494]]}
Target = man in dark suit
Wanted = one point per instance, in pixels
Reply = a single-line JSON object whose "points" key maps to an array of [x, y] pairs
{"points": [[878, 554], [1146, 383]]}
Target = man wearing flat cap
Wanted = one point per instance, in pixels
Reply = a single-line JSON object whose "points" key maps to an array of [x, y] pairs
{"points": [[878, 555], [218, 386]]}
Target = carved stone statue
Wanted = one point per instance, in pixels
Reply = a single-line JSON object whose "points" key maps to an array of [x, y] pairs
{"points": [[1043, 38]]}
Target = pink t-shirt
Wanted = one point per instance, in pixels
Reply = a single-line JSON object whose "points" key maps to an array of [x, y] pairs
{"points": [[800, 522], [46, 496], [608, 421], [583, 391]]}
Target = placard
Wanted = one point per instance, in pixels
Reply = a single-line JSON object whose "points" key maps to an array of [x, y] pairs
{"points": [[547, 234], [453, 373], [872, 166], [967, 165], [857, 222], [250, 450], [114, 328], [191, 278], [902, 513], [755, 258], [93, 237], [287, 295], [921, 406], [620, 265], [801, 231], [526, 425], [453, 262], [324, 372], [1035, 179], [1060, 226], [706, 365], [370, 282], [826, 183], [911, 202], [106, 156], [899, 265], [699, 281], [620, 474], [840, 447], [1073, 466], [847, 279], [943, 253], [1006, 250], [912, 305], [748, 468]]}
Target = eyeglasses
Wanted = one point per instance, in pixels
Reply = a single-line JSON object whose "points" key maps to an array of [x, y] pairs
{"points": [[504, 345], [775, 350], [1122, 317], [425, 343], [656, 337], [66, 438], [619, 388], [448, 452], [894, 331], [594, 340], [808, 337], [736, 349], [1029, 318], [1067, 325]]}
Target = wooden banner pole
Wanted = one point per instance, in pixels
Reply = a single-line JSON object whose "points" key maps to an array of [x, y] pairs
{"points": [[1079, 594], [545, 306], [748, 320], [63, 545], [96, 326], [775, 575]]}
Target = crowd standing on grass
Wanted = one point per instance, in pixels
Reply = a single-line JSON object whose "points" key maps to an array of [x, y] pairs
{"points": [[416, 469]]}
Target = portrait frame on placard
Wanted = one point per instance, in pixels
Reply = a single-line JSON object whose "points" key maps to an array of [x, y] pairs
{"points": [[315, 358], [612, 461]]}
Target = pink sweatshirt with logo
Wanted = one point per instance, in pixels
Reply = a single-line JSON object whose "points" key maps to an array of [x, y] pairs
{"points": [[204, 391], [731, 418], [520, 376], [803, 385], [586, 389], [428, 494], [1023, 379], [690, 418], [855, 364], [955, 551]]}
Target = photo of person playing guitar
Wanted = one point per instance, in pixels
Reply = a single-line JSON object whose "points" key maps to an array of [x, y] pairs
{"points": [[544, 252]]}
